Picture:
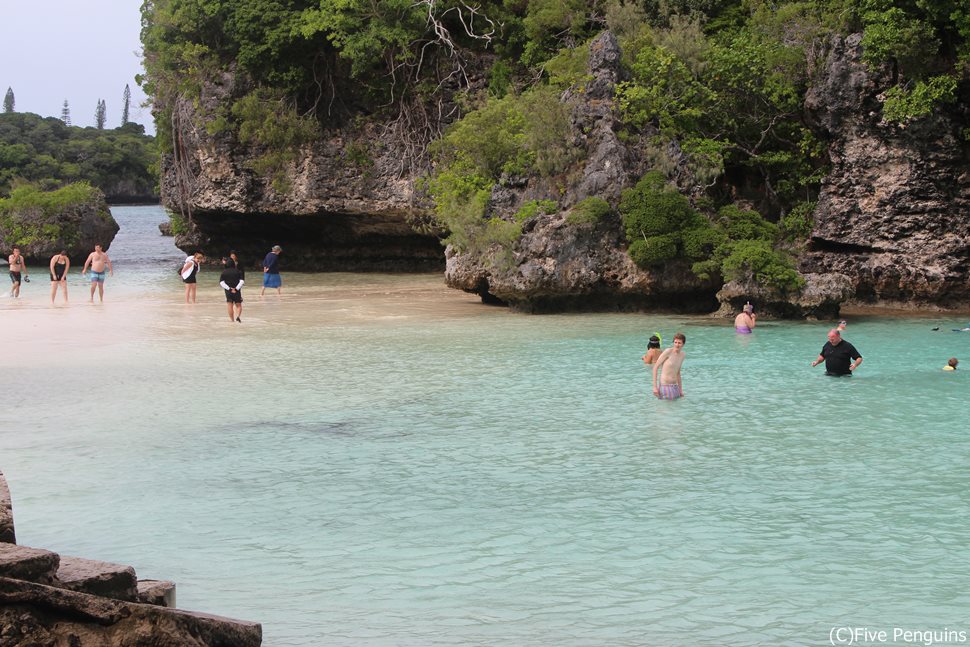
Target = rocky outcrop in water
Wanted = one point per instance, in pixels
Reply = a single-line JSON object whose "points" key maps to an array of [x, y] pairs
{"points": [[49, 599], [560, 264], [891, 226], [75, 228], [7, 534], [894, 212], [343, 204]]}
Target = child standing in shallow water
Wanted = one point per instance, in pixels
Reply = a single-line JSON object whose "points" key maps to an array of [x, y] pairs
{"points": [[653, 349], [668, 366]]}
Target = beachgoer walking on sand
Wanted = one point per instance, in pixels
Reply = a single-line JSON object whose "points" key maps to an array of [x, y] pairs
{"points": [[271, 271], [231, 281], [18, 271], [838, 355], [670, 386], [190, 275], [60, 264], [653, 349], [98, 261], [745, 322]]}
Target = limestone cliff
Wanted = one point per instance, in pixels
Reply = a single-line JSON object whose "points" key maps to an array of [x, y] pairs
{"points": [[561, 265], [343, 204], [894, 212], [891, 226]]}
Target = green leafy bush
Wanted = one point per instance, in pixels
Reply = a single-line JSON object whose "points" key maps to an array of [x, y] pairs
{"points": [[589, 211], [768, 266], [272, 126], [653, 251], [699, 243], [651, 209], [903, 104], [797, 223], [507, 137], [533, 208], [742, 224]]}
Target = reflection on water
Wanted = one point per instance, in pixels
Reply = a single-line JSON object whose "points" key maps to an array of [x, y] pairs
{"points": [[377, 460]]}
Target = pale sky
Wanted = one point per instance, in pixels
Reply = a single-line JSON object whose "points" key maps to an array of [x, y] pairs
{"points": [[79, 50]]}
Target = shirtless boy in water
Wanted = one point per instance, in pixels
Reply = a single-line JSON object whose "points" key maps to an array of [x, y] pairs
{"points": [[97, 260], [668, 366]]}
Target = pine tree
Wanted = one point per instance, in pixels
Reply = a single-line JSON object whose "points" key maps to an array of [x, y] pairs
{"points": [[126, 99], [8, 101], [66, 114], [99, 115]]}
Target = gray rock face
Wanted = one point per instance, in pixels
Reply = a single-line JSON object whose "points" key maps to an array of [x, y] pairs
{"points": [[557, 265], [7, 533], [23, 563], [561, 266], [344, 203], [80, 227], [894, 213], [34, 614], [821, 298], [49, 600], [157, 592], [108, 580]]}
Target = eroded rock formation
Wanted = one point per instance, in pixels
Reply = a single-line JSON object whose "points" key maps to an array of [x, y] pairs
{"points": [[75, 228], [48, 599], [894, 212], [559, 265], [891, 226], [343, 204]]}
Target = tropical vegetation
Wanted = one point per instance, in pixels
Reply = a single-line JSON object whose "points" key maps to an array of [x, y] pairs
{"points": [[712, 97], [49, 154]]}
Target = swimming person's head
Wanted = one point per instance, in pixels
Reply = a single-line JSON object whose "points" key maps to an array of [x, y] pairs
{"points": [[953, 362], [748, 307], [654, 341]]}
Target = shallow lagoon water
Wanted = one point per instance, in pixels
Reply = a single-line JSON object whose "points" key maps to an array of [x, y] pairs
{"points": [[378, 460]]}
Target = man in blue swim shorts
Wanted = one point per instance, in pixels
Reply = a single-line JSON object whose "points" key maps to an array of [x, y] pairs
{"points": [[271, 271], [98, 261]]}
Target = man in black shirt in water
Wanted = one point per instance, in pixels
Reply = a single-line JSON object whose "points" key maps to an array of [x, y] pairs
{"points": [[838, 355]]}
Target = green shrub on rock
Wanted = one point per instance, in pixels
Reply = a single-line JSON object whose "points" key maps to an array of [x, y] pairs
{"points": [[43, 223], [652, 208], [797, 223], [743, 224], [766, 265], [699, 243], [653, 251], [589, 211]]}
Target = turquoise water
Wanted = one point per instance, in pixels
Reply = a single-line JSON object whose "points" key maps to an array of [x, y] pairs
{"points": [[378, 460]]}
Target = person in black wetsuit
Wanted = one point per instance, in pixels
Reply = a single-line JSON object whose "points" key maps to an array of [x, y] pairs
{"points": [[60, 264], [840, 357]]}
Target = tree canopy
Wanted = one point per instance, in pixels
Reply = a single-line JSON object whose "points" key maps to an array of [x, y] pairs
{"points": [[46, 152]]}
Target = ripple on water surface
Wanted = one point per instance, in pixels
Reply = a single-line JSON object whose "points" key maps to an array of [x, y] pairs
{"points": [[378, 461]]}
